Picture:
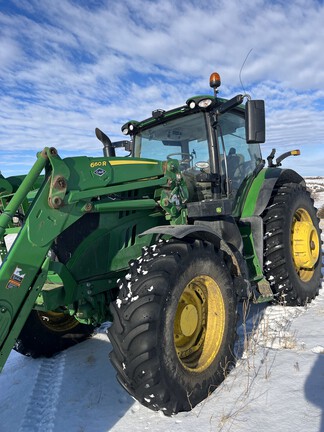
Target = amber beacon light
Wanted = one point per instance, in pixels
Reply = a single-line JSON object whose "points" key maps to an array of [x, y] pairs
{"points": [[214, 80]]}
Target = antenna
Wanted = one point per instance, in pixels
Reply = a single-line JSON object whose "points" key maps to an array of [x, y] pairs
{"points": [[240, 74]]}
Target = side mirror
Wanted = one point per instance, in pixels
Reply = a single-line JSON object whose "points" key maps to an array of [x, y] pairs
{"points": [[120, 144], [255, 121]]}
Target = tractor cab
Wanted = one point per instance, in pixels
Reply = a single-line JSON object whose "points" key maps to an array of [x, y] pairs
{"points": [[210, 137]]}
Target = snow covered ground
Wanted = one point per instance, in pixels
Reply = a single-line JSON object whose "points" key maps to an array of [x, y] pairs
{"points": [[316, 187], [277, 384]]}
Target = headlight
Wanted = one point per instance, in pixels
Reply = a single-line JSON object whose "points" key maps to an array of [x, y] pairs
{"points": [[204, 103]]}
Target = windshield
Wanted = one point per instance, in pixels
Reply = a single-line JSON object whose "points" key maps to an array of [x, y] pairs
{"points": [[184, 138]]}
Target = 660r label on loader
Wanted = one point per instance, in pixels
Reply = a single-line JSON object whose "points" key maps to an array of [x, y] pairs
{"points": [[15, 279]]}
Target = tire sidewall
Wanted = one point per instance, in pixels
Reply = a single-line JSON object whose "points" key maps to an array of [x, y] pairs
{"points": [[189, 384], [295, 202]]}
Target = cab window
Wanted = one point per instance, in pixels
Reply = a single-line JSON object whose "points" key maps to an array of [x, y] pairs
{"points": [[237, 158], [184, 139]]}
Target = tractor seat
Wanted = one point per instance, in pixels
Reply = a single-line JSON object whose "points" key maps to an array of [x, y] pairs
{"points": [[234, 160]]}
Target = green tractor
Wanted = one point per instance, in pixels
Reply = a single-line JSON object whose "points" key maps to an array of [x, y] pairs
{"points": [[163, 241]]}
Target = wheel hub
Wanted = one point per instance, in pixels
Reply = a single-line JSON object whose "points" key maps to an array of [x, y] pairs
{"points": [[57, 321], [305, 244], [189, 320]]}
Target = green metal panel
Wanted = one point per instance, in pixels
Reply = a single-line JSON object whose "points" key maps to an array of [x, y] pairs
{"points": [[253, 193], [250, 230], [91, 173], [250, 254]]}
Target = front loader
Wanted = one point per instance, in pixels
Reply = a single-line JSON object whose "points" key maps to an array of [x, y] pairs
{"points": [[163, 242]]}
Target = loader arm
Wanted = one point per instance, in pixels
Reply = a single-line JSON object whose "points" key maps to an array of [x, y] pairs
{"points": [[24, 271]]}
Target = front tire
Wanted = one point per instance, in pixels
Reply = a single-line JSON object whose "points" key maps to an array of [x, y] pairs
{"points": [[174, 325], [292, 246], [47, 333]]}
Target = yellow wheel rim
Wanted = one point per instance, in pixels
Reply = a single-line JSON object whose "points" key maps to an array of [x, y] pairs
{"points": [[305, 244], [199, 324], [57, 321]]}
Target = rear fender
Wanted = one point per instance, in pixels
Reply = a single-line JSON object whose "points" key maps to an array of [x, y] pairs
{"points": [[256, 202], [261, 189]]}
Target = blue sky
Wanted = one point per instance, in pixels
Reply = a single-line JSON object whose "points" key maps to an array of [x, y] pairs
{"points": [[68, 66]]}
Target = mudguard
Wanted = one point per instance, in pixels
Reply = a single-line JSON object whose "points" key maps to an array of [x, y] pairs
{"points": [[241, 282], [262, 187], [256, 202]]}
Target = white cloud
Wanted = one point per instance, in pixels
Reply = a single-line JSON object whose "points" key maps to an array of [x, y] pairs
{"points": [[67, 67]]}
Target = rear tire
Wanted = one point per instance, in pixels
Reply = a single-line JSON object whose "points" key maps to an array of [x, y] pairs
{"points": [[292, 245], [47, 333], [174, 325]]}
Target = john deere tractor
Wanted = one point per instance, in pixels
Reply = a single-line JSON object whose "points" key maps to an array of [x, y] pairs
{"points": [[163, 241]]}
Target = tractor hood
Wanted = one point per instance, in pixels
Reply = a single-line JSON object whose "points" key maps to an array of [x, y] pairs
{"points": [[88, 173]]}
